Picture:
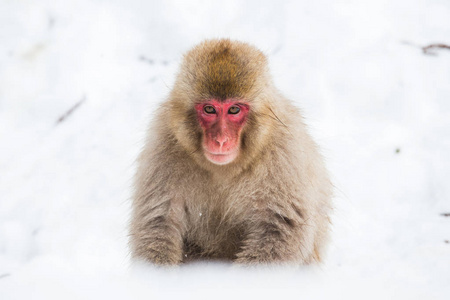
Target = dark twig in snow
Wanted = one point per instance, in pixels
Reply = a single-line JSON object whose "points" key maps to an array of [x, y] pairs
{"points": [[70, 111], [445, 214], [433, 46]]}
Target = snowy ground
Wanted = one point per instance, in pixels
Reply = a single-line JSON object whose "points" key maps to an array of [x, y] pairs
{"points": [[377, 105]]}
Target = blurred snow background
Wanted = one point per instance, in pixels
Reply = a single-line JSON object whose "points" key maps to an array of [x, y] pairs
{"points": [[377, 105]]}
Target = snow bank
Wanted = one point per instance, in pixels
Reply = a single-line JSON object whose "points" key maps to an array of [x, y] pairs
{"points": [[376, 104]]}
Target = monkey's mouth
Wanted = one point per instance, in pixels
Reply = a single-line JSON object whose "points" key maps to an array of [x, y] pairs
{"points": [[221, 158]]}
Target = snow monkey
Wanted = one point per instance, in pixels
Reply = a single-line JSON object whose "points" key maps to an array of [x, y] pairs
{"points": [[229, 171]]}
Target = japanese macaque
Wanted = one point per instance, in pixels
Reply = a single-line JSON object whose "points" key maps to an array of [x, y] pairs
{"points": [[229, 171]]}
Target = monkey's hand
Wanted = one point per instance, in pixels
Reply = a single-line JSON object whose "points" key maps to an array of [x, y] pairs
{"points": [[271, 241], [163, 253]]}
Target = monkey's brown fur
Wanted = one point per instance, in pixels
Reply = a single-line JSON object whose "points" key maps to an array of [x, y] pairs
{"points": [[270, 205]]}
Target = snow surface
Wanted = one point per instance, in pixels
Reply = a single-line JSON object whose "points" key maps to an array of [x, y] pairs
{"points": [[377, 105]]}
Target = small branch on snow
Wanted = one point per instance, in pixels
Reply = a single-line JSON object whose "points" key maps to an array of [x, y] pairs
{"points": [[434, 46], [445, 214], [70, 111]]}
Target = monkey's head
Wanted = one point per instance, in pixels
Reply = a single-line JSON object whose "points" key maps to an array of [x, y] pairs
{"points": [[220, 107]]}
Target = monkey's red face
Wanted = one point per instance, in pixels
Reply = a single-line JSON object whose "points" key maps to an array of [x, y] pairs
{"points": [[222, 123]]}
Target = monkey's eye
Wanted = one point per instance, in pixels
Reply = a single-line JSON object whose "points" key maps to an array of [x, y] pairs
{"points": [[234, 110], [209, 109]]}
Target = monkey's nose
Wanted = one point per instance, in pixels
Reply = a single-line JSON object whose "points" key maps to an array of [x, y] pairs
{"points": [[221, 141]]}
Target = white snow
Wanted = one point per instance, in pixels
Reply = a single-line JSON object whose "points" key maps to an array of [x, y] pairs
{"points": [[378, 106]]}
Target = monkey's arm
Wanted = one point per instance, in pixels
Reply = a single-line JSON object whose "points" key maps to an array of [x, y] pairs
{"points": [[157, 233]]}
